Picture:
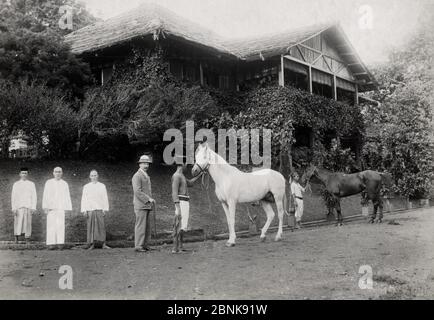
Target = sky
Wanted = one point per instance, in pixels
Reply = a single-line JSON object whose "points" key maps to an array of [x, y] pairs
{"points": [[373, 26]]}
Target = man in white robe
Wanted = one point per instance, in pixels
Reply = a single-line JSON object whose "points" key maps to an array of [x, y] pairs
{"points": [[95, 205], [55, 202], [23, 202]]}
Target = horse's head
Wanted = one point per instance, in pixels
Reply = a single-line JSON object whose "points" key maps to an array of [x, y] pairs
{"points": [[202, 159]]}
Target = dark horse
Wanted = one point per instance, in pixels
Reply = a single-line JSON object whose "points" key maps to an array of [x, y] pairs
{"points": [[340, 185]]}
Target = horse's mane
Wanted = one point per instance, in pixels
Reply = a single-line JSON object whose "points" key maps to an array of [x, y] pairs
{"points": [[220, 161]]}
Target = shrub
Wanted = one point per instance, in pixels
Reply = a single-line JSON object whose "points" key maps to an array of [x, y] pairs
{"points": [[42, 114]]}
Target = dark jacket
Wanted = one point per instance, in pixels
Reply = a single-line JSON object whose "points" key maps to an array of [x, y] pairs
{"points": [[142, 191]]}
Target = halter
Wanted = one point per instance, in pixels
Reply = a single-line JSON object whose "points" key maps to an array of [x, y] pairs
{"points": [[202, 170]]}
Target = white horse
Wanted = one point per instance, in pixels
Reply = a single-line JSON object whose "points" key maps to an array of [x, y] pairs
{"points": [[233, 186]]}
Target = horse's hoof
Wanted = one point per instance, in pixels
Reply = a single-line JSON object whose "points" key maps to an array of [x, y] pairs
{"points": [[277, 239], [229, 244], [263, 239], [380, 221]]}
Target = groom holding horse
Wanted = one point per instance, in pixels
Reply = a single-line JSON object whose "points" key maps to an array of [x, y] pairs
{"points": [[181, 200]]}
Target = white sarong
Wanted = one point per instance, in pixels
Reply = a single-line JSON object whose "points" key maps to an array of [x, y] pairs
{"points": [[23, 222], [55, 227]]}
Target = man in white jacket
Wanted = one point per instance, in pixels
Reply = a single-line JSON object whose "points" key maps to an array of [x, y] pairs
{"points": [[23, 202], [55, 202], [95, 205]]}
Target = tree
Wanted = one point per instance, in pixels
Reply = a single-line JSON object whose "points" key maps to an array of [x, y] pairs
{"points": [[32, 48], [400, 129], [41, 114]]}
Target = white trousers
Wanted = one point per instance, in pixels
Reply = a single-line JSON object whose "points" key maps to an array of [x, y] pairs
{"points": [[299, 209], [55, 227], [185, 213]]}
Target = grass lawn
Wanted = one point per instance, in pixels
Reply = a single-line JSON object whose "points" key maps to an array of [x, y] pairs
{"points": [[205, 214]]}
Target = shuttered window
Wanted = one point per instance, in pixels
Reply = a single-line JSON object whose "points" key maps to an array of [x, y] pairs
{"points": [[321, 77], [344, 84]]}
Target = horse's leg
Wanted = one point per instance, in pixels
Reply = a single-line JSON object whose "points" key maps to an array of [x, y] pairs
{"points": [[232, 206], [280, 211], [226, 209], [374, 212], [378, 206], [270, 215], [340, 219]]}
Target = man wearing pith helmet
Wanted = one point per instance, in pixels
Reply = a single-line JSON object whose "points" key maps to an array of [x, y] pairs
{"points": [[181, 200], [143, 203]]}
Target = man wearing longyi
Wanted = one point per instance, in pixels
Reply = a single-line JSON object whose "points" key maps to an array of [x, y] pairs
{"points": [[181, 199], [23, 202], [95, 205]]}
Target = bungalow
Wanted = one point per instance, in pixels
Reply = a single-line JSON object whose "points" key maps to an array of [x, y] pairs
{"points": [[319, 58]]}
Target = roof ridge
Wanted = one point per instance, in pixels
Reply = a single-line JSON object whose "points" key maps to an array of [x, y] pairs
{"points": [[318, 26]]}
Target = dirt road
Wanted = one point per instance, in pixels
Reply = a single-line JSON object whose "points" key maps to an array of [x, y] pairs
{"points": [[320, 263]]}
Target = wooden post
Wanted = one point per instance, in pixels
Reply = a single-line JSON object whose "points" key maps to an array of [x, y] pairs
{"points": [[310, 80], [282, 72], [201, 74], [356, 95], [335, 90]]}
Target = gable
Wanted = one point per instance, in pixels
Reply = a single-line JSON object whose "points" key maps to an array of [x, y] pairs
{"points": [[319, 52]]}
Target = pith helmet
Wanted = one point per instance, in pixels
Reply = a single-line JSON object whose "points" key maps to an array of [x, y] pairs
{"points": [[145, 159]]}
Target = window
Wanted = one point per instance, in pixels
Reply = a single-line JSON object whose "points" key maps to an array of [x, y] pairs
{"points": [[224, 82], [106, 75]]}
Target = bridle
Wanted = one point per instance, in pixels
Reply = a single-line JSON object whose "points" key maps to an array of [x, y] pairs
{"points": [[202, 170]]}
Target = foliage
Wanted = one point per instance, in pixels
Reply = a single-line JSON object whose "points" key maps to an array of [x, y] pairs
{"points": [[281, 109], [42, 15], [403, 144], [339, 159], [32, 47], [41, 114], [143, 100], [400, 134]]}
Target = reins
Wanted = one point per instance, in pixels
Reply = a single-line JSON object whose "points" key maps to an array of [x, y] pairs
{"points": [[205, 184]]}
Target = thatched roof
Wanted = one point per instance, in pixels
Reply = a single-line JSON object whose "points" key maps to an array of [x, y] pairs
{"points": [[146, 20], [272, 44], [159, 22], [154, 20]]}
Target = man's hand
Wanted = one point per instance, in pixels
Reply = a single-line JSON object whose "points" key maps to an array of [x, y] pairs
{"points": [[178, 207], [85, 213], [104, 213], [151, 200]]}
